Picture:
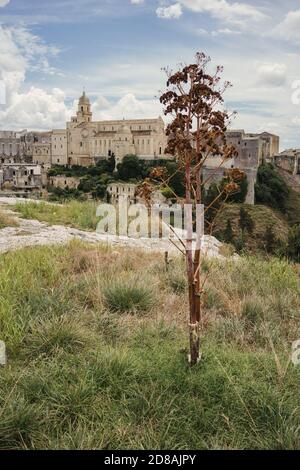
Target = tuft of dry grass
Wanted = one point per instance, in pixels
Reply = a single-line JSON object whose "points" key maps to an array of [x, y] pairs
{"points": [[6, 220]]}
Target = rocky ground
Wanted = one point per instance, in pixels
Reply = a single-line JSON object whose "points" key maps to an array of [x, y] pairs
{"points": [[35, 233]]}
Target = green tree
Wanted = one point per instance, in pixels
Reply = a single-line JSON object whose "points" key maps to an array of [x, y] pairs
{"points": [[130, 168], [246, 222], [270, 189], [176, 176], [293, 248], [239, 197], [270, 240], [228, 235], [239, 243]]}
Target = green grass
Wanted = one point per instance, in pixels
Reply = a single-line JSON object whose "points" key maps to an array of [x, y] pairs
{"points": [[6, 221], [128, 295], [81, 215], [81, 375]]}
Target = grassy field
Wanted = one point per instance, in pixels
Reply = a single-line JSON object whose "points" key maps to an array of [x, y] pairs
{"points": [[6, 221], [81, 215], [97, 353]]}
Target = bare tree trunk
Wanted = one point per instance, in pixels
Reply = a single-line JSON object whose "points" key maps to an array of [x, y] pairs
{"points": [[194, 322], [197, 261]]}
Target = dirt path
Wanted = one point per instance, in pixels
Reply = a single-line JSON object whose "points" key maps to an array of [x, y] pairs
{"points": [[34, 233]]}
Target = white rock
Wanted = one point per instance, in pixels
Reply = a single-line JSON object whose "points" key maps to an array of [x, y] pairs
{"points": [[2, 354]]}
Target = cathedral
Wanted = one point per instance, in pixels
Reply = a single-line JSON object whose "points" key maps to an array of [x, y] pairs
{"points": [[89, 141]]}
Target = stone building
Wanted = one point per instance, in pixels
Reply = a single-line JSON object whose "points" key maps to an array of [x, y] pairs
{"points": [[59, 147], [22, 176], [253, 150], [63, 182], [126, 192], [14, 146], [90, 141], [41, 147], [119, 192], [289, 160]]}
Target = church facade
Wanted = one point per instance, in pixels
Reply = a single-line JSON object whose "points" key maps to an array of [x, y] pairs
{"points": [[89, 141]]}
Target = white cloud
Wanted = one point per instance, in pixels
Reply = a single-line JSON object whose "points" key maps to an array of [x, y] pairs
{"points": [[272, 74], [289, 28], [137, 2], [128, 107], [3, 3], [171, 12], [217, 32], [20, 52], [234, 13], [36, 108]]}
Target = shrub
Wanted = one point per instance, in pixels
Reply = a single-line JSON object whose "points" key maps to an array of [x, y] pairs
{"points": [[6, 221], [128, 295], [50, 336], [228, 233], [293, 248], [270, 240], [176, 278], [252, 310], [246, 222]]}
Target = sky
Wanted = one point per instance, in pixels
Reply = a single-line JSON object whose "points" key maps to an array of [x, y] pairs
{"points": [[51, 49]]}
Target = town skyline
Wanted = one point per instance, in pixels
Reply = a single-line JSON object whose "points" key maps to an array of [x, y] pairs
{"points": [[50, 52]]}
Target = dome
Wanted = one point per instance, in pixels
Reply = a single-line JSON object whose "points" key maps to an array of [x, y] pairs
{"points": [[84, 99]]}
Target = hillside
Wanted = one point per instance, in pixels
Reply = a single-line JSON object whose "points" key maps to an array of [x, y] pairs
{"points": [[293, 201], [97, 344], [263, 217]]}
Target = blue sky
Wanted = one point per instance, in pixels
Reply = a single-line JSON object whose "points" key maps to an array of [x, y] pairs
{"points": [[50, 50]]}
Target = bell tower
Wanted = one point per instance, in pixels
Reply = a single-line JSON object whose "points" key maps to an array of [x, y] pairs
{"points": [[84, 113]]}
